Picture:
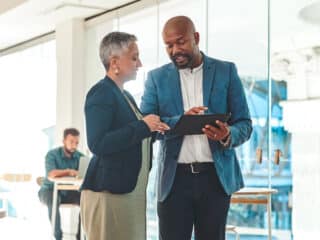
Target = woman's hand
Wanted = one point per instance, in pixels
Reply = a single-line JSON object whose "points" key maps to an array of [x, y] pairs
{"points": [[154, 123]]}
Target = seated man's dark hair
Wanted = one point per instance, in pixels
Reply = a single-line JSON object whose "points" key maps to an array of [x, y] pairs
{"points": [[71, 131]]}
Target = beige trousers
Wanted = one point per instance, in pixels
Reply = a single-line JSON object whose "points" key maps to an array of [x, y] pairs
{"points": [[108, 216]]}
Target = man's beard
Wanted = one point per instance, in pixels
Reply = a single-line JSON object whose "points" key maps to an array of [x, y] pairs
{"points": [[70, 152], [188, 64]]}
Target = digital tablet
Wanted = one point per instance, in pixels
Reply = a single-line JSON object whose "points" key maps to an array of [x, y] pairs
{"points": [[193, 124]]}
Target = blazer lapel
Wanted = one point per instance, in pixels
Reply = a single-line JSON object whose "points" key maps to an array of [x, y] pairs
{"points": [[174, 78], [208, 79], [132, 101], [122, 98]]}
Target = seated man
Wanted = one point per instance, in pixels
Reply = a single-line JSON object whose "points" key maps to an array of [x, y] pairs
{"points": [[60, 162]]}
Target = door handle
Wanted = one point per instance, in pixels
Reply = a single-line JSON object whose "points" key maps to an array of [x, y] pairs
{"points": [[259, 155], [277, 155]]}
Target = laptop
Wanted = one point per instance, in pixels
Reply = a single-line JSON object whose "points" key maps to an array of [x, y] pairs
{"points": [[83, 166]]}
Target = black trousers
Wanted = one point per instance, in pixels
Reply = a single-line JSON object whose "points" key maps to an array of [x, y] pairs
{"points": [[196, 201], [46, 197]]}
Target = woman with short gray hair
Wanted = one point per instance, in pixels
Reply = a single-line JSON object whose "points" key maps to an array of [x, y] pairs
{"points": [[113, 194]]}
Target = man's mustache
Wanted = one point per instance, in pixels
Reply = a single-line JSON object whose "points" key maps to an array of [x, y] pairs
{"points": [[174, 57]]}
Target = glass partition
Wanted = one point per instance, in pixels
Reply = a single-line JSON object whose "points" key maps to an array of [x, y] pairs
{"points": [[240, 31], [284, 147], [241, 34], [28, 117]]}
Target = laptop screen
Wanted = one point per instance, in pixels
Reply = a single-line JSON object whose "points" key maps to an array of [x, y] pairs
{"points": [[83, 165]]}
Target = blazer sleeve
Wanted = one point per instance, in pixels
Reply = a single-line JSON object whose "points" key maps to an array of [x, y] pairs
{"points": [[100, 110], [150, 101], [150, 105], [240, 123]]}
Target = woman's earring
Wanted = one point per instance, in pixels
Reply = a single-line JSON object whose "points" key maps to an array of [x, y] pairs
{"points": [[116, 71]]}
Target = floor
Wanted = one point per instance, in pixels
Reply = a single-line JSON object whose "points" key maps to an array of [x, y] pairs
{"points": [[36, 227]]}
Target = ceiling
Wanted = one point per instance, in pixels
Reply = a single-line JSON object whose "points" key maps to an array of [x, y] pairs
{"points": [[294, 27], [21, 20]]}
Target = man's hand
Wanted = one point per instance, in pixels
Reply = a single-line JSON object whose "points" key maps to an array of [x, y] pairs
{"points": [[217, 133], [72, 172], [196, 110]]}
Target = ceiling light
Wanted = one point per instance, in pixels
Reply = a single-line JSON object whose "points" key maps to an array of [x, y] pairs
{"points": [[311, 13]]}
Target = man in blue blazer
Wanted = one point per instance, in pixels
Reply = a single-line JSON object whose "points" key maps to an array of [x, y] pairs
{"points": [[197, 173]]}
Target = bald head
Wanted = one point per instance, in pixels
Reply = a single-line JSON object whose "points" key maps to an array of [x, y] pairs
{"points": [[181, 42], [181, 24]]}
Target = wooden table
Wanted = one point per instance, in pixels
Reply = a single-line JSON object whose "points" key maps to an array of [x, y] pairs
{"points": [[256, 196], [62, 183]]}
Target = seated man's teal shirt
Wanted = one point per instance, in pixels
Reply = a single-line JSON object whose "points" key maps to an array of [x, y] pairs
{"points": [[56, 159]]}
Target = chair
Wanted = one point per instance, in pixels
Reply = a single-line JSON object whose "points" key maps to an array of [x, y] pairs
{"points": [[65, 206], [39, 180]]}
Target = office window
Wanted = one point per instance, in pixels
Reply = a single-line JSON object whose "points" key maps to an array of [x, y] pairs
{"points": [[28, 113], [28, 105], [196, 10], [235, 31], [143, 24]]}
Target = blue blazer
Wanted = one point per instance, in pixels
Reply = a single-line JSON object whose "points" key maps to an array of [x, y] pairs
{"points": [[222, 93], [114, 136]]}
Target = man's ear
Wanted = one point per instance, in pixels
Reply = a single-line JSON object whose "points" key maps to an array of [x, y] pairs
{"points": [[196, 37]]}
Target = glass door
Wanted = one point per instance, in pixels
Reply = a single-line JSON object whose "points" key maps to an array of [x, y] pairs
{"points": [[241, 34], [281, 81], [295, 65]]}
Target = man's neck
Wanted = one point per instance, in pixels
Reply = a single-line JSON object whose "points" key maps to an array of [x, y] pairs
{"points": [[198, 61], [67, 153]]}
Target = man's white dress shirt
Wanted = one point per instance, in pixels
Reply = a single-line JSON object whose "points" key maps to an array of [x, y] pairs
{"points": [[195, 148]]}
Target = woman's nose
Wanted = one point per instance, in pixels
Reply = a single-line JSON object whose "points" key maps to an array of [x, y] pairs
{"points": [[139, 63]]}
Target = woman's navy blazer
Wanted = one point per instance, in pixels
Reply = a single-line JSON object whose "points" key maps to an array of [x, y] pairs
{"points": [[114, 136]]}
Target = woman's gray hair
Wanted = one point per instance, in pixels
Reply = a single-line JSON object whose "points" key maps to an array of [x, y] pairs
{"points": [[114, 44]]}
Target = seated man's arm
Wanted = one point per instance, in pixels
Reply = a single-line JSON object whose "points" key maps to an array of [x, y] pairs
{"points": [[52, 171], [62, 173]]}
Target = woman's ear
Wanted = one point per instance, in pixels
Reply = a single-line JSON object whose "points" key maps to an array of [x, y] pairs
{"points": [[114, 65], [113, 62]]}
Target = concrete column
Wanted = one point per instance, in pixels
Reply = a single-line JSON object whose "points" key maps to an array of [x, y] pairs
{"points": [[71, 84]]}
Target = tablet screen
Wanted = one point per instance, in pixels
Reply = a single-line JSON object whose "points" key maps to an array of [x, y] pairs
{"points": [[193, 124]]}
